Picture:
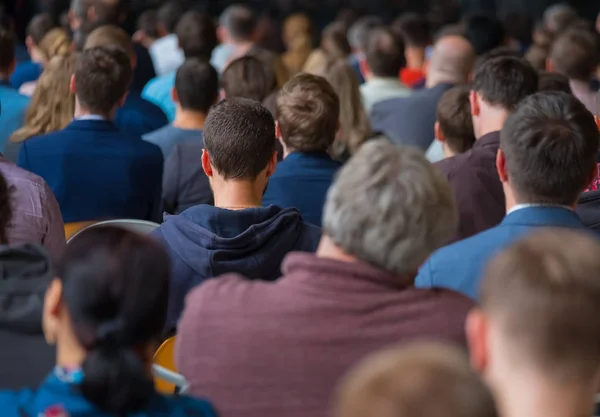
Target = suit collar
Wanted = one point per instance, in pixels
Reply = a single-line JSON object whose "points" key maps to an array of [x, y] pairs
{"points": [[101, 125], [543, 216]]}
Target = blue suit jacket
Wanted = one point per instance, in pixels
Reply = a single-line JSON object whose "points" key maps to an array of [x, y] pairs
{"points": [[97, 172], [138, 116], [461, 265], [302, 180]]}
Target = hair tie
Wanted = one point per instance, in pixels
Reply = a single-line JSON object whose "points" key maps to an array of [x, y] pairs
{"points": [[111, 333]]}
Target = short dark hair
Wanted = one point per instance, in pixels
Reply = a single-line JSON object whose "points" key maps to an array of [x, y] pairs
{"points": [[148, 22], [170, 14], [248, 77], [454, 117], [7, 49], [102, 77], [39, 26], [197, 35], [485, 32], [308, 111], [239, 136], [110, 35], [575, 54], [197, 85], [358, 33], [500, 52], [414, 29], [519, 26], [550, 143], [505, 81], [334, 41], [240, 21], [552, 81], [385, 53]]}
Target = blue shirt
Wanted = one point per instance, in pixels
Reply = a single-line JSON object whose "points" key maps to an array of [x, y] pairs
{"points": [[166, 138], [139, 116], [302, 180], [13, 108], [158, 91], [26, 72]]}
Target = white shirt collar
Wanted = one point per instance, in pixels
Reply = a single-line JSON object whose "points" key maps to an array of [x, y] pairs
{"points": [[90, 117], [524, 206]]}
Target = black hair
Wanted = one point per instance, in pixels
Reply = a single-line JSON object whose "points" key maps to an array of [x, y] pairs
{"points": [[197, 85], [414, 29], [385, 53], [7, 49], [197, 35], [170, 14], [115, 288], [40, 25], [248, 77], [240, 21], [485, 32], [552, 81], [500, 52]]}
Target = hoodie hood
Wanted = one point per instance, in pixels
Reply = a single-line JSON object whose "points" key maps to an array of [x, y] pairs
{"points": [[25, 273], [213, 241]]}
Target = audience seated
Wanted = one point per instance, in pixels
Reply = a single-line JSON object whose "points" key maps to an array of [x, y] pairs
{"points": [[384, 60], [272, 349], [136, 116], [415, 31], [95, 171], [358, 38], [298, 39], [575, 55], [248, 77], [105, 313], [197, 38], [547, 157], [165, 52], [13, 104], [454, 126], [410, 120], [499, 85], [237, 234], [552, 81], [417, 380], [535, 338], [308, 112], [52, 105]]}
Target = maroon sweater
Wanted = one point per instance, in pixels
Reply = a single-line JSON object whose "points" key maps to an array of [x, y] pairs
{"points": [[260, 349]]}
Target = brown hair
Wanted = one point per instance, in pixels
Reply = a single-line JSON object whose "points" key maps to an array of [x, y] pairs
{"points": [[308, 111], [544, 291], [55, 43], [417, 380], [574, 54], [52, 104], [454, 117], [248, 77], [110, 35], [334, 41]]}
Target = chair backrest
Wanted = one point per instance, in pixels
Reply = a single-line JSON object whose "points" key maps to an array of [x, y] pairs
{"points": [[71, 229], [140, 226], [165, 358]]}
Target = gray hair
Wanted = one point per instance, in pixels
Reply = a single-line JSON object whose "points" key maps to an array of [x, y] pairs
{"points": [[557, 16], [79, 8], [390, 207], [358, 34]]}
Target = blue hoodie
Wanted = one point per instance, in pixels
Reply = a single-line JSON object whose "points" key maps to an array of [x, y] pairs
{"points": [[205, 242]]}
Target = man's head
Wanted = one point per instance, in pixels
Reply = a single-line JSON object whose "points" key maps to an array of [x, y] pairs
{"points": [[548, 150], [239, 144], [111, 36], [540, 316], [416, 380], [197, 35], [7, 53], [498, 86], [196, 86], [358, 34], [454, 126], [558, 17], [237, 24], [101, 80], [574, 54], [308, 112], [391, 208], [552, 81], [451, 61], [385, 53], [248, 77], [485, 32], [85, 12], [168, 16], [414, 29]]}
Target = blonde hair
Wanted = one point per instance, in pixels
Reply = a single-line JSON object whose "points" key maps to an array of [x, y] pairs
{"points": [[55, 43], [52, 104]]}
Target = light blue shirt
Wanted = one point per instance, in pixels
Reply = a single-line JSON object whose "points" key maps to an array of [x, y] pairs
{"points": [[13, 108], [166, 138], [158, 91]]}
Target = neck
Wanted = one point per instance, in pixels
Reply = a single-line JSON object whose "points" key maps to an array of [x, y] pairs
{"points": [[448, 153], [513, 200], [189, 119], [237, 195], [493, 121], [69, 354], [435, 78], [80, 112], [415, 57], [329, 250]]}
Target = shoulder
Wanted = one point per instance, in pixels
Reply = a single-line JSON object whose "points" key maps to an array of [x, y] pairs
{"points": [[16, 175], [309, 238], [183, 406], [447, 299]]}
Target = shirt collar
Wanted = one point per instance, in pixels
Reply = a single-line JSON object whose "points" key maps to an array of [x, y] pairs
{"points": [[91, 117], [526, 206]]}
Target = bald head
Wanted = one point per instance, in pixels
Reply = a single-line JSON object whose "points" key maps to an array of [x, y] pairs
{"points": [[452, 61]]}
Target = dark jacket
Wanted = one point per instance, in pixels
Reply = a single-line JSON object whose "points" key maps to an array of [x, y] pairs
{"points": [[138, 116], [409, 120], [98, 172], [589, 209], [205, 242], [25, 274], [476, 185]]}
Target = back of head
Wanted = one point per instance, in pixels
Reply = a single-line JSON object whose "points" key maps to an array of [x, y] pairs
{"points": [[405, 212], [385, 53], [416, 380], [102, 77], [334, 41], [197, 35], [558, 17], [519, 26], [504, 82], [454, 117], [7, 51], [248, 77], [500, 52], [39, 26], [358, 34], [575, 54], [115, 286], [308, 111], [537, 56], [148, 23], [239, 136], [110, 36], [197, 85], [169, 15], [55, 43], [550, 144], [541, 294], [452, 59], [298, 32], [414, 29], [239, 21], [485, 32], [552, 81]]}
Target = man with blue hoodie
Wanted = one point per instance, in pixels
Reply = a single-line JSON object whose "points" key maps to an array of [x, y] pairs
{"points": [[237, 235]]}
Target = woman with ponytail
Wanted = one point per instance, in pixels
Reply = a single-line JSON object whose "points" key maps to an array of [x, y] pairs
{"points": [[105, 314]]}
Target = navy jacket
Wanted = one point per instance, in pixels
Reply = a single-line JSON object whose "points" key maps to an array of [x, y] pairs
{"points": [[205, 242], [409, 120], [138, 116], [97, 172], [460, 266], [302, 180]]}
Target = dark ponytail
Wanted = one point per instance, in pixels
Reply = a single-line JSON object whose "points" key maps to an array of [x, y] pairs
{"points": [[115, 286]]}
